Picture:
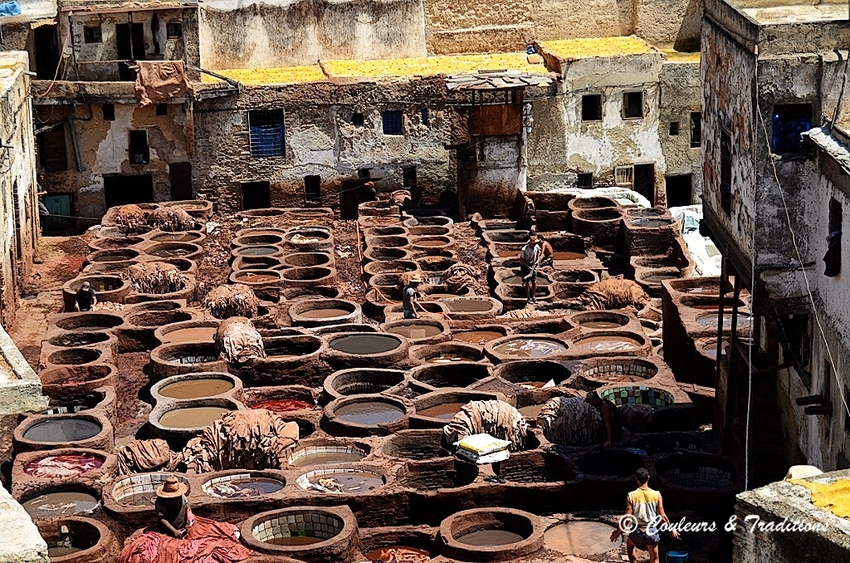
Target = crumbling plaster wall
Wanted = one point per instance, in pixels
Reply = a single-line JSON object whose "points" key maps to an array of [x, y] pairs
{"points": [[104, 150], [321, 140], [276, 33], [680, 96], [18, 200], [83, 58], [561, 145]]}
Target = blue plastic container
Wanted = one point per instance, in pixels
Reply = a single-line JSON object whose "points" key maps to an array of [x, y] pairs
{"points": [[677, 557]]}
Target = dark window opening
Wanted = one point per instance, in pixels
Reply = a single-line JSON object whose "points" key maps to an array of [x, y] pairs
{"points": [[357, 119], [426, 117], [108, 112], [591, 107], [696, 129], [726, 172], [679, 190], [832, 259], [92, 34], [46, 45], [130, 42], [796, 338], [846, 414], [633, 105], [139, 150], [392, 122], [674, 128], [52, 150], [162, 109], [174, 29], [256, 195], [585, 180], [835, 214], [409, 176], [789, 121], [644, 181], [312, 188], [266, 132], [364, 172]]}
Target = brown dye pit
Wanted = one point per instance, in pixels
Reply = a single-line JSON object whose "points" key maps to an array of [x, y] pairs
{"points": [[349, 481], [369, 413], [283, 405], [294, 540], [196, 388], [651, 222], [256, 278], [60, 430], [609, 343], [490, 538], [324, 313], [414, 331], [517, 280], [531, 411], [430, 243], [192, 417], [579, 538], [468, 305], [600, 324], [139, 499], [711, 320], [195, 334], [63, 466], [171, 252], [398, 554], [61, 551], [446, 411], [565, 255], [54, 505], [327, 458], [529, 348], [245, 488], [478, 336], [658, 278], [532, 384], [447, 358], [364, 344]]}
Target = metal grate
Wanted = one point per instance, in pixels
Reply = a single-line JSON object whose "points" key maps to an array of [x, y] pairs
{"points": [[139, 151], [392, 122], [266, 132]]}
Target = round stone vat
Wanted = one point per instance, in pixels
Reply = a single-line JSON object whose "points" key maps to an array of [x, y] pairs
{"points": [[436, 475], [344, 328], [506, 236], [178, 421], [428, 220], [83, 378], [433, 264], [582, 538], [106, 288], [365, 349], [184, 357], [70, 401], [537, 467], [306, 259], [381, 208], [436, 409], [402, 545], [647, 212], [115, 243], [360, 381], [609, 462], [366, 415], [133, 498], [590, 203], [328, 452], [59, 501], [74, 357], [387, 243], [424, 243], [584, 277], [481, 334], [461, 308], [257, 278], [46, 432], [701, 287], [77, 539], [651, 279], [379, 267], [491, 534], [280, 398], [692, 477], [526, 346], [187, 331], [160, 319], [240, 263], [388, 231], [650, 222], [600, 320], [63, 464], [122, 254], [309, 276], [197, 208], [260, 212], [176, 250], [447, 353], [429, 231], [416, 445], [673, 442], [241, 485], [75, 339], [397, 309], [710, 320], [197, 385], [533, 374], [637, 395], [311, 534], [296, 348], [251, 252], [456, 374], [419, 331], [709, 303], [601, 223], [605, 371], [108, 268], [257, 239], [309, 238], [609, 342], [322, 312], [380, 253], [195, 237], [342, 480]]}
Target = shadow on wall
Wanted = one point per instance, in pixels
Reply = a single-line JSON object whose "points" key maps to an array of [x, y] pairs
{"points": [[687, 40]]}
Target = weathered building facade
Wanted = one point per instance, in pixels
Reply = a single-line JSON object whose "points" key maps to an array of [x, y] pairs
{"points": [[769, 73]]}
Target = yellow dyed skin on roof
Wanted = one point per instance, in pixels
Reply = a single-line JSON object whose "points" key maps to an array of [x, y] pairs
{"points": [[432, 66], [680, 57], [259, 76], [569, 49], [834, 497]]}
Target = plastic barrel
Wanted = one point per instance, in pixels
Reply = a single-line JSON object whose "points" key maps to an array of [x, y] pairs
{"points": [[677, 557]]}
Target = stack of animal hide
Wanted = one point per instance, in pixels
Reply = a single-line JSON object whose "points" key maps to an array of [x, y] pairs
{"points": [[496, 418], [234, 300], [238, 342]]}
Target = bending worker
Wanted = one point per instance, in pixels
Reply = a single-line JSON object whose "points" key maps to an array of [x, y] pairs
{"points": [[85, 298], [529, 260], [610, 414]]}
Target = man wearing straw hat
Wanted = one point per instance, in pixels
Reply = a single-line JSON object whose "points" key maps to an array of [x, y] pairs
{"points": [[409, 295], [172, 508]]}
